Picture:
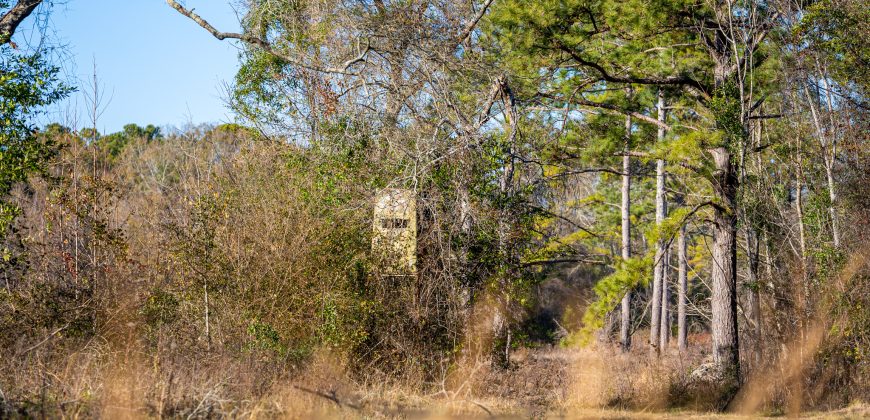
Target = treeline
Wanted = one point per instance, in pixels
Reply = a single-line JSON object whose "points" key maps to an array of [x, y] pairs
{"points": [[684, 182]]}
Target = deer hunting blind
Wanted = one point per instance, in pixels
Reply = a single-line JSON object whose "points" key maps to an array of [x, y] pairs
{"points": [[394, 243]]}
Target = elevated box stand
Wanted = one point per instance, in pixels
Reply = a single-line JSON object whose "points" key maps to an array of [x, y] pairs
{"points": [[394, 242]]}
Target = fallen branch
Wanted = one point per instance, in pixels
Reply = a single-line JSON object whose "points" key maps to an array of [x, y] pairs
{"points": [[482, 407], [331, 396]]}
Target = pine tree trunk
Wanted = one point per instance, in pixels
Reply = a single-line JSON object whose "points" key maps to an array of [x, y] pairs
{"points": [[753, 305], [664, 333], [625, 324], [661, 211], [724, 270], [726, 348], [681, 291]]}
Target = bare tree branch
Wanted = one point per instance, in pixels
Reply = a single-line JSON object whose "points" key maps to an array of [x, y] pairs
{"points": [[266, 46], [473, 23]]}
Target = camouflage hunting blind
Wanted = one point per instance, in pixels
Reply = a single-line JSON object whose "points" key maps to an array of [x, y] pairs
{"points": [[394, 243]]}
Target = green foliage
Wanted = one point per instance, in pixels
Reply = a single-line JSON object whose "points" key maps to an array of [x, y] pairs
{"points": [[836, 29], [727, 110], [629, 274], [27, 84], [160, 308], [536, 35], [669, 227], [261, 90], [265, 337], [114, 144]]}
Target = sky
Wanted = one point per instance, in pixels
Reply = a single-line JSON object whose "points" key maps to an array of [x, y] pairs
{"points": [[154, 65]]}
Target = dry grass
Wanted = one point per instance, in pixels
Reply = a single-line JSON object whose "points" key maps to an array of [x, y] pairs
{"points": [[103, 381]]}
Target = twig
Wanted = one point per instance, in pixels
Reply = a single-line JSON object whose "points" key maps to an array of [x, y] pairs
{"points": [[44, 340]]}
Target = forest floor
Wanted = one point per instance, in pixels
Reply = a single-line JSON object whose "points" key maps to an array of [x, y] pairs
{"points": [[541, 383], [546, 382]]}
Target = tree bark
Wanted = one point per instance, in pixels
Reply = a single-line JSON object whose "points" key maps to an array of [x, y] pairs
{"points": [[665, 331], [802, 238], [681, 290], [465, 228], [506, 250], [726, 345], [625, 325], [830, 158], [832, 195], [828, 155], [10, 21], [724, 270], [753, 303], [661, 212], [799, 210]]}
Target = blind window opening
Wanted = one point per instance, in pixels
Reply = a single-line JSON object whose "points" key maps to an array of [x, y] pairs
{"points": [[392, 223]]}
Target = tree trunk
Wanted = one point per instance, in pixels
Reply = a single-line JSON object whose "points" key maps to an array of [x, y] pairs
{"points": [[207, 324], [753, 285], [726, 346], [753, 305], [828, 152], [832, 195], [830, 157], [681, 290], [724, 270], [625, 325], [661, 211], [665, 333], [799, 210], [506, 250], [802, 237], [465, 229]]}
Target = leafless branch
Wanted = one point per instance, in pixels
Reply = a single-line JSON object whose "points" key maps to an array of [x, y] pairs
{"points": [[266, 46], [469, 28]]}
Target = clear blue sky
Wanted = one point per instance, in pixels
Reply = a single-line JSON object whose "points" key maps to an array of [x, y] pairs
{"points": [[156, 66]]}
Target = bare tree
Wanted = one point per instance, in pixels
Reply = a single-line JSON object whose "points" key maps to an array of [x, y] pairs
{"points": [[827, 138]]}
